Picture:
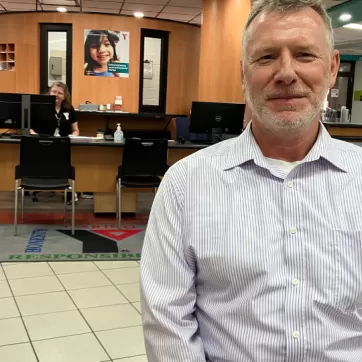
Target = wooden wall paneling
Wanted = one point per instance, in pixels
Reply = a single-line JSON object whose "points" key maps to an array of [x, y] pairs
{"points": [[220, 51], [23, 30]]}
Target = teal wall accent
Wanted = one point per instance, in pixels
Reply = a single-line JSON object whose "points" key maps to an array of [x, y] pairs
{"points": [[353, 7], [355, 58]]}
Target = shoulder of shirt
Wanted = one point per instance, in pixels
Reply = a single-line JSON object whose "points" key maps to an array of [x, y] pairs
{"points": [[346, 147], [349, 153]]}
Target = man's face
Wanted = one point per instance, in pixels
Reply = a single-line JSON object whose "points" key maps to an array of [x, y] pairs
{"points": [[288, 68]]}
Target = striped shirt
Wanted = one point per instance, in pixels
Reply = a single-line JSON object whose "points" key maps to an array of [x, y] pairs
{"points": [[243, 262]]}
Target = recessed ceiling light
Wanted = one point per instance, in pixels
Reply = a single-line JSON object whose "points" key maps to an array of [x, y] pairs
{"points": [[353, 26], [62, 9], [345, 17], [139, 14]]}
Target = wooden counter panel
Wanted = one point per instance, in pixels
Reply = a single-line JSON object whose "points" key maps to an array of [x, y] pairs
{"points": [[96, 167], [9, 158], [344, 131]]}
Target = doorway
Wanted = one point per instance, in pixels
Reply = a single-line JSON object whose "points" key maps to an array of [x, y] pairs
{"points": [[55, 55]]}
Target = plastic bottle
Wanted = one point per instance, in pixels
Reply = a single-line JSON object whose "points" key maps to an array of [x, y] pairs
{"points": [[118, 134]]}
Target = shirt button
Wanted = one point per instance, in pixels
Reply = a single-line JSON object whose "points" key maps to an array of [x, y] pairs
{"points": [[290, 184], [295, 282], [296, 335], [293, 230]]}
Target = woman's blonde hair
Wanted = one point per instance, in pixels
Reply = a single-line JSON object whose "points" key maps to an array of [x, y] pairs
{"points": [[67, 104]]}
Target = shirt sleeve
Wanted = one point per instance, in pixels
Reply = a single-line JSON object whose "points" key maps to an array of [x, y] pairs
{"points": [[168, 293]]}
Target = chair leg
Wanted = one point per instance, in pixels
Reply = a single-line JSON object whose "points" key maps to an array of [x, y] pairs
{"points": [[22, 205], [119, 203], [65, 205], [16, 207], [117, 196], [73, 207]]}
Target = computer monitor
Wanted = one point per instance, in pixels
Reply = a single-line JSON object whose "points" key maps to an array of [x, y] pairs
{"points": [[10, 110], [18, 111], [215, 119], [42, 111]]}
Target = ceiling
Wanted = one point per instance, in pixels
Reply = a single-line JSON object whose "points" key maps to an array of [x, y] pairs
{"points": [[189, 11]]}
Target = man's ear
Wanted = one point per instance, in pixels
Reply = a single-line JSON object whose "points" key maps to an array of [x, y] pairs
{"points": [[335, 64], [242, 75]]}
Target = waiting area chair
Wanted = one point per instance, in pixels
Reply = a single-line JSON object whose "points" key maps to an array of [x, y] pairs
{"points": [[144, 162], [45, 165]]}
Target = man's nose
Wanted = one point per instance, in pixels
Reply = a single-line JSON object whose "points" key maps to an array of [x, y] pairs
{"points": [[286, 69]]}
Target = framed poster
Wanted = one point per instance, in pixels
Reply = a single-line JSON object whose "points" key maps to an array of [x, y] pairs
{"points": [[106, 53]]}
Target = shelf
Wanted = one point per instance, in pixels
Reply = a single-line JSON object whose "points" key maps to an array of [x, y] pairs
{"points": [[7, 57]]}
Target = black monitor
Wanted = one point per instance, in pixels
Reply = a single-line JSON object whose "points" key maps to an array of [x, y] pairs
{"points": [[19, 111], [10, 110], [42, 112], [216, 119]]}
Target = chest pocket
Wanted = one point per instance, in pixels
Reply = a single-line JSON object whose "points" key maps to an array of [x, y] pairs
{"points": [[348, 262]]}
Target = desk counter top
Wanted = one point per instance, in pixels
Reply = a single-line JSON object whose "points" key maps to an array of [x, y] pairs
{"points": [[342, 125], [102, 143], [129, 115]]}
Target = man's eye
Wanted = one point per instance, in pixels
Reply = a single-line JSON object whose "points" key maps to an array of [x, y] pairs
{"points": [[265, 58], [305, 55]]}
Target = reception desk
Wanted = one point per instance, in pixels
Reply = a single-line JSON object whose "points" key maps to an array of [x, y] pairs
{"points": [[96, 165], [90, 122]]}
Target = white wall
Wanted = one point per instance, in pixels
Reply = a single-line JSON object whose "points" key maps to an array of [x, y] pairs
{"points": [[357, 106], [151, 87]]}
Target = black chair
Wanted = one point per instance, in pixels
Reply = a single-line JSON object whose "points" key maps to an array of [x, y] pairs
{"points": [[144, 162], [45, 165]]}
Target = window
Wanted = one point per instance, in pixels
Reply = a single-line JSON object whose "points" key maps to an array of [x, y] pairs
{"points": [[153, 71], [55, 55]]}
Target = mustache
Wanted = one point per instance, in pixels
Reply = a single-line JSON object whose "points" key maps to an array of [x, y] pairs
{"points": [[286, 93]]}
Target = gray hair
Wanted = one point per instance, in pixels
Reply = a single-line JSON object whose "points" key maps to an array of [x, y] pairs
{"points": [[266, 6]]}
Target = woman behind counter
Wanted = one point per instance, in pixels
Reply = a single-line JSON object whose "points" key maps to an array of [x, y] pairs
{"points": [[64, 122]]}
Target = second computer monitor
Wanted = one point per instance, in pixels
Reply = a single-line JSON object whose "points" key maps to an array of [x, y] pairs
{"points": [[224, 117], [42, 111]]}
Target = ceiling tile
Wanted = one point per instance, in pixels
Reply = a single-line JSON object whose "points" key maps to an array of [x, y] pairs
{"points": [[176, 17], [181, 10], [97, 10], [18, 6], [102, 5], [18, 1], [148, 14], [142, 7], [149, 2], [58, 2], [187, 3], [196, 20], [54, 8]]}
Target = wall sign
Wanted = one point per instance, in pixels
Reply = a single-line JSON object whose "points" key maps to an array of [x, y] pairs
{"points": [[334, 93], [106, 53]]}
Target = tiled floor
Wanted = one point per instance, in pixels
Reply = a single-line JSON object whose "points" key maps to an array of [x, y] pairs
{"points": [[70, 312]]}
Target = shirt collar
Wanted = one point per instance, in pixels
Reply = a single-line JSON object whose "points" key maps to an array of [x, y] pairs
{"points": [[245, 149]]}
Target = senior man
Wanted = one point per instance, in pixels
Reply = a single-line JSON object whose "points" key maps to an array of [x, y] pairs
{"points": [[253, 250]]}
